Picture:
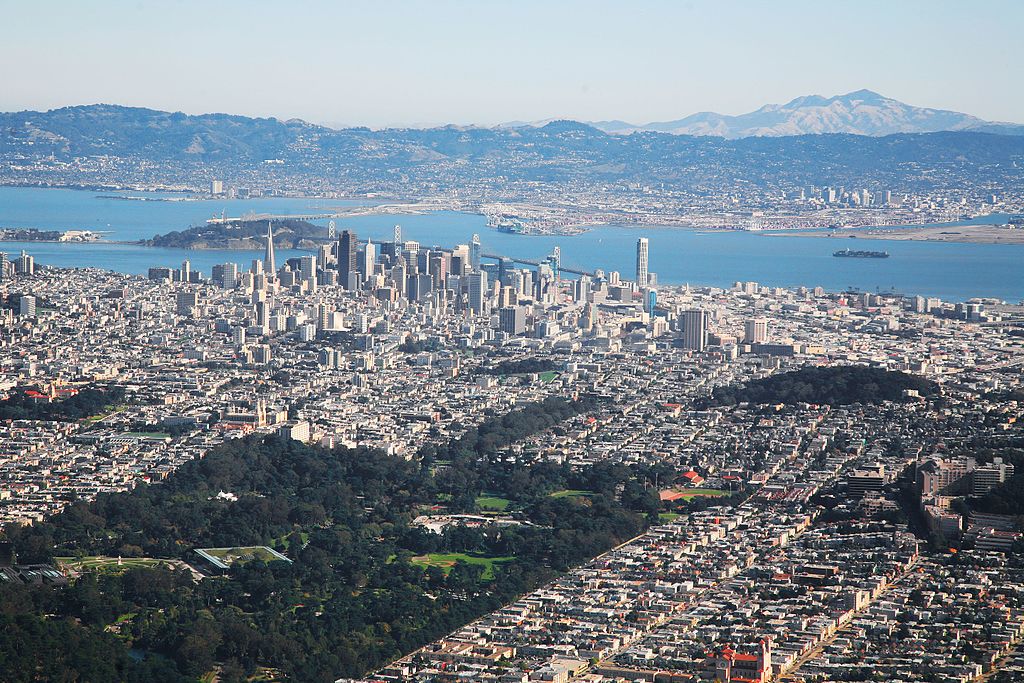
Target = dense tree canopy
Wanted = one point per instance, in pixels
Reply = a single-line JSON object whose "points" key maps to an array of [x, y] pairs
{"points": [[827, 385], [87, 402], [520, 366]]}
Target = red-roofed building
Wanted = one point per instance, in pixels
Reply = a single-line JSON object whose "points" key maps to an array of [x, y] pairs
{"points": [[729, 666], [693, 478]]}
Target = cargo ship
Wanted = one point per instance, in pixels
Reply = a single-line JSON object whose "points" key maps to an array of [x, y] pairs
{"points": [[852, 253], [505, 223]]}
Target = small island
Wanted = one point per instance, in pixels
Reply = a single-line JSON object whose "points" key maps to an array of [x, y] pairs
{"points": [[243, 235], [37, 235]]}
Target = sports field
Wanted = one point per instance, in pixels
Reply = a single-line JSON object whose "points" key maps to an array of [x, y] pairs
{"points": [[689, 494], [489, 503]]}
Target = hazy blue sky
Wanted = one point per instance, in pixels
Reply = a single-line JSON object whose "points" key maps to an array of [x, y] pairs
{"points": [[387, 62]]}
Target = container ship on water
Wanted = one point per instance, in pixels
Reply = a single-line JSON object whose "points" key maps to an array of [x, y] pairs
{"points": [[504, 223], [852, 253]]}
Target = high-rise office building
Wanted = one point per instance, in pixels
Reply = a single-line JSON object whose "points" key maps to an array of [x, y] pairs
{"points": [[418, 286], [225, 275], [185, 302], [269, 265], [437, 267], [641, 262], [323, 256], [512, 319], [307, 270], [369, 260], [475, 251], [695, 329], [504, 268], [478, 292], [347, 273], [650, 300], [755, 331]]}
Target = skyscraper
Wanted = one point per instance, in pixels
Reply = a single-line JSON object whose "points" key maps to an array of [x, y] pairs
{"points": [[512, 320], [477, 291], [474, 253], [307, 269], [347, 259], [650, 300], [268, 259], [369, 260], [695, 329], [641, 262]]}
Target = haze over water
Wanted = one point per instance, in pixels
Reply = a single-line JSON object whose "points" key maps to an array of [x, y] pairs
{"points": [[948, 270]]}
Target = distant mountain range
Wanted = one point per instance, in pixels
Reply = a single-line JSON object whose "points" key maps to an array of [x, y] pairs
{"points": [[859, 113], [109, 145]]}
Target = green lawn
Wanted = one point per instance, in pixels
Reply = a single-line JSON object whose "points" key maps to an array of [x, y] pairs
{"points": [[666, 517], [104, 414], [711, 493], [548, 376], [149, 435], [447, 560], [572, 493], [489, 503]]}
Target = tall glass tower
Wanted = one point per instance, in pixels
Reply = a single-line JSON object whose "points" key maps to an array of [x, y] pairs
{"points": [[269, 267], [641, 262]]}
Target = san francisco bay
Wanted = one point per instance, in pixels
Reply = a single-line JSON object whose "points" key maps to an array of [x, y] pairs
{"points": [[952, 271]]}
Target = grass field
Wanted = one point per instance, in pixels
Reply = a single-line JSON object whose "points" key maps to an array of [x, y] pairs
{"points": [[572, 493], [710, 493], [106, 412], [445, 561], [666, 517], [548, 376], [490, 503], [99, 563]]}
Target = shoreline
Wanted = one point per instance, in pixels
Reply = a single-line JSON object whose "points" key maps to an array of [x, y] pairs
{"points": [[958, 234]]}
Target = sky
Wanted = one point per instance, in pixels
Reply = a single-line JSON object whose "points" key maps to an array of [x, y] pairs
{"points": [[389, 62]]}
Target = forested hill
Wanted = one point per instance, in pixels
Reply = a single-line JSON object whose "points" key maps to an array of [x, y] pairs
{"points": [[248, 149], [834, 385], [252, 234]]}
